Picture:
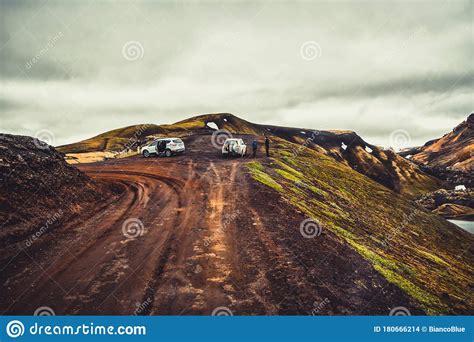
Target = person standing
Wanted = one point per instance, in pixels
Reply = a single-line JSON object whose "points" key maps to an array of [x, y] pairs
{"points": [[254, 148], [267, 146]]}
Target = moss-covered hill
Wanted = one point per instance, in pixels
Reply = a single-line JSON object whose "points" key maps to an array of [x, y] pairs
{"points": [[427, 257], [385, 167], [117, 139]]}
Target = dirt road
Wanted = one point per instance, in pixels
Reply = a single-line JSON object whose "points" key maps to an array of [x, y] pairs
{"points": [[153, 240], [192, 234]]}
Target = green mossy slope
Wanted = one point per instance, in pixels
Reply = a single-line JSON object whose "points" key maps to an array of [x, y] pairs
{"points": [[426, 256]]}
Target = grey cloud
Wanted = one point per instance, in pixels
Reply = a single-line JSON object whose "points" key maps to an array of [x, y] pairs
{"points": [[383, 66], [412, 86]]}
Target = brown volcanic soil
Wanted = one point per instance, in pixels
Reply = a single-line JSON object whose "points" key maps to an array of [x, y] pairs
{"points": [[211, 237], [321, 276], [38, 190]]}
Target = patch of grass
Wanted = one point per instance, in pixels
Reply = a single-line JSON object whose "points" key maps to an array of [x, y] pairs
{"points": [[288, 175], [255, 165], [188, 125], [288, 168], [433, 258], [297, 191], [390, 268], [430, 303], [318, 191], [262, 177]]}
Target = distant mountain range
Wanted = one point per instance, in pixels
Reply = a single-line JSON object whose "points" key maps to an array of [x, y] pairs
{"points": [[455, 150], [383, 166]]}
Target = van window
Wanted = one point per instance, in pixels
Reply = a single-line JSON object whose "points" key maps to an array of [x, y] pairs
{"points": [[177, 141]]}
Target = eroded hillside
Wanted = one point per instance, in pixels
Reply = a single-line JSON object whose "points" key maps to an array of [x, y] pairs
{"points": [[39, 191], [427, 257], [346, 147], [454, 150]]}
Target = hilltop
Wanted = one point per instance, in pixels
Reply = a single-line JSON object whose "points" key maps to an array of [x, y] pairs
{"points": [[383, 166]]}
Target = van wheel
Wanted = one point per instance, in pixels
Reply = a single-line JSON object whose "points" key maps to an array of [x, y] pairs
{"points": [[146, 154], [168, 153]]}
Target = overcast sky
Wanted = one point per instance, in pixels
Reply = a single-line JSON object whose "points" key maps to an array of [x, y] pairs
{"points": [[81, 68]]}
